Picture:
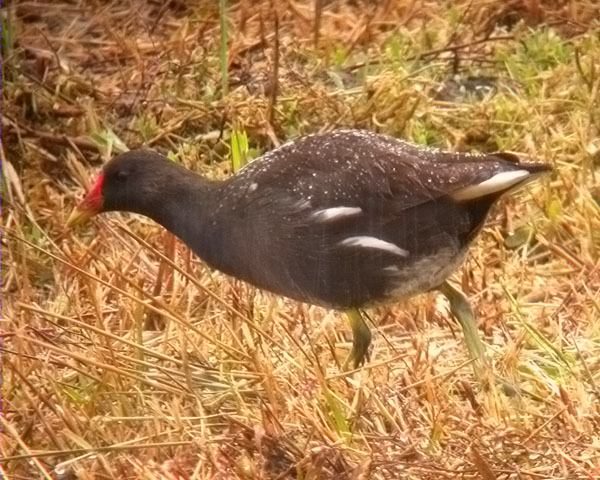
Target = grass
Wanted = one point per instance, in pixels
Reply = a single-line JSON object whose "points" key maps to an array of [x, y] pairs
{"points": [[223, 54], [126, 357]]}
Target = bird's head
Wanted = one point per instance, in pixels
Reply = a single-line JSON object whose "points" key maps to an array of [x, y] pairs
{"points": [[125, 183]]}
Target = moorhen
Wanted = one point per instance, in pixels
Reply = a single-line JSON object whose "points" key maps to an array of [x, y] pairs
{"points": [[344, 219]]}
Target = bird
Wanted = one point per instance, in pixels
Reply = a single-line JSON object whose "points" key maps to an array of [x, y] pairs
{"points": [[346, 219]]}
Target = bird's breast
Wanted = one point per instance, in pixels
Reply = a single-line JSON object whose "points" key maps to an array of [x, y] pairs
{"points": [[423, 274]]}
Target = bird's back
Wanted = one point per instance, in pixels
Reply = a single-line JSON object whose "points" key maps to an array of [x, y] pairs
{"points": [[350, 217]]}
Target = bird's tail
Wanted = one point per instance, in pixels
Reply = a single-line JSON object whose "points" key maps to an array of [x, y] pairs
{"points": [[512, 178]]}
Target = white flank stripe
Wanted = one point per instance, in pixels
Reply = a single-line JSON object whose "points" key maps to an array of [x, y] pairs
{"points": [[301, 205], [500, 181], [392, 269], [376, 243], [335, 213]]}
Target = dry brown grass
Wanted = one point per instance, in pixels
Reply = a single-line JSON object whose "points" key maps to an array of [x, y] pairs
{"points": [[125, 357]]}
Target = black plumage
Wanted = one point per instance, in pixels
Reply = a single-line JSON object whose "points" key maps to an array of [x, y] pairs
{"points": [[343, 219]]}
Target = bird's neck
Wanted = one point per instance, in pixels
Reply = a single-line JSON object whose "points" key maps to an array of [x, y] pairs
{"points": [[185, 206]]}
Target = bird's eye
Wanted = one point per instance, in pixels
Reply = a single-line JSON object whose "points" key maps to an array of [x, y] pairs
{"points": [[122, 175]]}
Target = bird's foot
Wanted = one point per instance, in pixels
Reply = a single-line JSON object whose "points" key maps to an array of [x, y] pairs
{"points": [[462, 311], [361, 340]]}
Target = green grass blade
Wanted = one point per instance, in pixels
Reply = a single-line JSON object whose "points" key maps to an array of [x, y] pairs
{"points": [[239, 149]]}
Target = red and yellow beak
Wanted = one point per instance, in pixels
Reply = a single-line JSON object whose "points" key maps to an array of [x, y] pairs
{"points": [[89, 206]]}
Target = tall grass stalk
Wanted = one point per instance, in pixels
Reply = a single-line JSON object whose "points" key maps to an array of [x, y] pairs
{"points": [[223, 47]]}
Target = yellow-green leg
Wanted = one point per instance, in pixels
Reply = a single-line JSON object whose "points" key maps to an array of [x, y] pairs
{"points": [[460, 308], [361, 339]]}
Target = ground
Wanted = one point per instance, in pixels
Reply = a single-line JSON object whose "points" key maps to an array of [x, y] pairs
{"points": [[125, 357]]}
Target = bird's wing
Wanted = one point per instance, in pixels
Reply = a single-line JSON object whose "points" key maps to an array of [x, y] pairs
{"points": [[352, 169]]}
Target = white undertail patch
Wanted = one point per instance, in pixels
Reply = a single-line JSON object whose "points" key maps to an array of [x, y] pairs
{"points": [[499, 182], [335, 213], [375, 243]]}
